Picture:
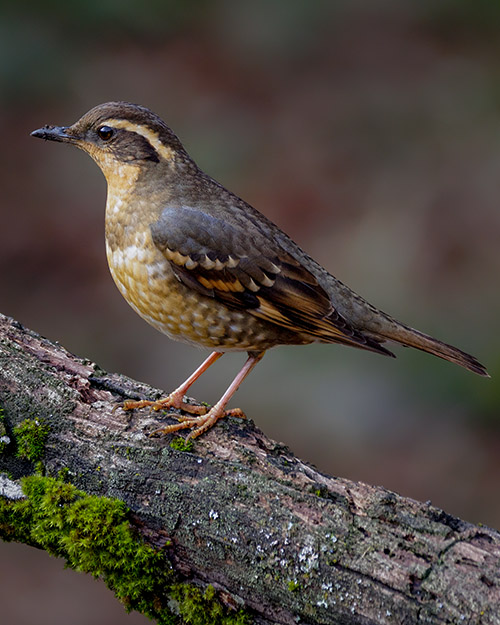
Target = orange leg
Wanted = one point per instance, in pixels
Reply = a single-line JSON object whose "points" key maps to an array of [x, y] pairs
{"points": [[204, 422], [176, 398]]}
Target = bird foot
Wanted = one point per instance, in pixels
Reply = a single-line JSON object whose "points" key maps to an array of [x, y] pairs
{"points": [[199, 424], [172, 401]]}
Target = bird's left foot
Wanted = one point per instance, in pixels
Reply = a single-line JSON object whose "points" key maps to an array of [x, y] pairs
{"points": [[199, 424]]}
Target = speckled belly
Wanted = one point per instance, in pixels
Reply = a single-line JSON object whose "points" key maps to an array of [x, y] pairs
{"points": [[145, 279]]}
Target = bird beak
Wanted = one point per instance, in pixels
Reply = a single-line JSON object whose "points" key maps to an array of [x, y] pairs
{"points": [[54, 133]]}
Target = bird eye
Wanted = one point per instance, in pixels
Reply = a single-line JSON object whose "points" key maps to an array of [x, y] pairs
{"points": [[105, 133]]}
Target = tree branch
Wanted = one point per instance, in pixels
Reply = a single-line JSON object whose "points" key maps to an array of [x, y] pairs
{"points": [[269, 532]]}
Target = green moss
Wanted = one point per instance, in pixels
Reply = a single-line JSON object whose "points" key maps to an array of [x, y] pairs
{"points": [[94, 535], [181, 444], [198, 608], [293, 585], [320, 491], [64, 474], [31, 436], [4, 438]]}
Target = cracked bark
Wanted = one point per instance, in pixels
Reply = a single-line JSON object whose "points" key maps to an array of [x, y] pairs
{"points": [[242, 513]]}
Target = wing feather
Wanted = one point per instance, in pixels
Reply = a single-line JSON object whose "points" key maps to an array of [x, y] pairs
{"points": [[248, 271]]}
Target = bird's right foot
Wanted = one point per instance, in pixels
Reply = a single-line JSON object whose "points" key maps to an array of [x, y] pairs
{"points": [[174, 400]]}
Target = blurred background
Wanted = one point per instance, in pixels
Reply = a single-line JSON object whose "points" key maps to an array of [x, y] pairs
{"points": [[370, 132]]}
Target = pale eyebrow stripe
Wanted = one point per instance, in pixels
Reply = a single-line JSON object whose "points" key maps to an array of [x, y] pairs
{"points": [[150, 135]]}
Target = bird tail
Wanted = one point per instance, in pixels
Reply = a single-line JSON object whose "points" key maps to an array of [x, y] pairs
{"points": [[414, 338]]}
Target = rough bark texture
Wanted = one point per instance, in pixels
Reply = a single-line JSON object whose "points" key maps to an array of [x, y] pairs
{"points": [[241, 512]]}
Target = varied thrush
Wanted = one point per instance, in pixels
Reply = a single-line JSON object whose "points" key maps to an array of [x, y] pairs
{"points": [[203, 266]]}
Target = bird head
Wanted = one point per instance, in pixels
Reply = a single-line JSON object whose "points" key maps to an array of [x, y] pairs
{"points": [[123, 139]]}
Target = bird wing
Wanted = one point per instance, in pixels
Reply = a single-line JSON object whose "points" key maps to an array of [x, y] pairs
{"points": [[247, 270]]}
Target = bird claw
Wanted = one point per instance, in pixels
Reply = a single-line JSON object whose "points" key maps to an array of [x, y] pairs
{"points": [[163, 404], [200, 424], [203, 420]]}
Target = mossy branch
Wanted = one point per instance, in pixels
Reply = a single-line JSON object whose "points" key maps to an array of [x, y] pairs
{"points": [[233, 529]]}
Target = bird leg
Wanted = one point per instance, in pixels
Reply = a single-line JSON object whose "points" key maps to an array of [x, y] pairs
{"points": [[204, 422], [176, 398]]}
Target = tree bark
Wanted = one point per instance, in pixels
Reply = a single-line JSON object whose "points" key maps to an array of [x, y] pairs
{"points": [[240, 512]]}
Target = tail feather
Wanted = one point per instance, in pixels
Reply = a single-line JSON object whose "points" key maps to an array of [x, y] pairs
{"points": [[414, 338]]}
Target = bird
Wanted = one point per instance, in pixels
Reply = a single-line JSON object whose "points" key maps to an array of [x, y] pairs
{"points": [[202, 266]]}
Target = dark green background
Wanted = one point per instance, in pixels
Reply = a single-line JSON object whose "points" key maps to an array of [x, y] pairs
{"points": [[369, 131]]}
